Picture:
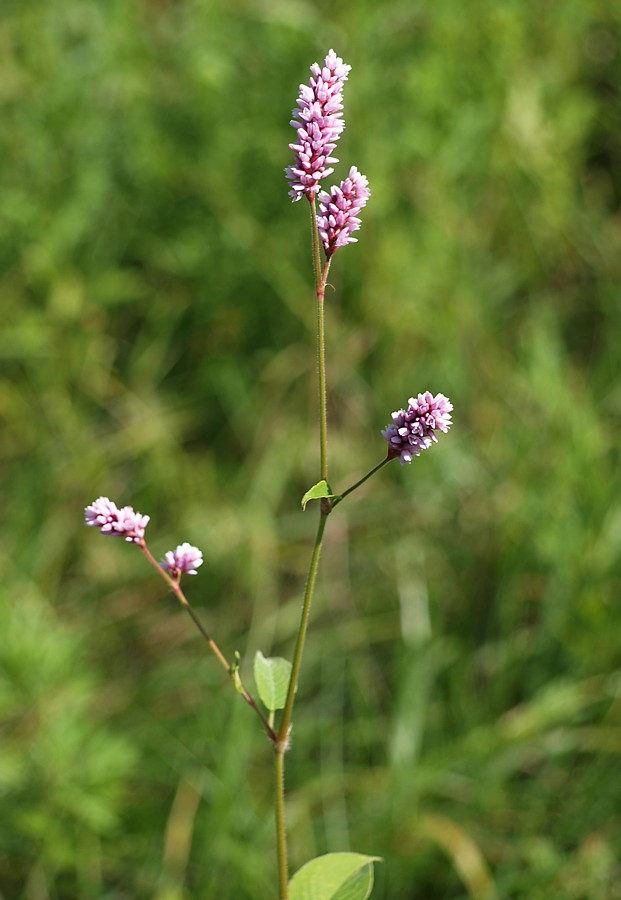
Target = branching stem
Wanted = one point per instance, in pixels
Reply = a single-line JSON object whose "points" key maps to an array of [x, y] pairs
{"points": [[232, 671], [351, 489]]}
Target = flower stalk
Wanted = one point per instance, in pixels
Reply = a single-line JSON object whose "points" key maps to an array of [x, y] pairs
{"points": [[320, 112], [358, 484]]}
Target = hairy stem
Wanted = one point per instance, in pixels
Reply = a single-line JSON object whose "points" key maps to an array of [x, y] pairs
{"points": [[321, 277], [285, 722], [281, 833], [282, 737]]}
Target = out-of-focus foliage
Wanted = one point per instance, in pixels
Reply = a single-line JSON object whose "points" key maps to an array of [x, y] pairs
{"points": [[460, 707]]}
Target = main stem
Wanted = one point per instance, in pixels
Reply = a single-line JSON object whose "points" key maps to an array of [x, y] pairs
{"points": [[282, 738], [285, 722], [281, 832], [282, 742]]}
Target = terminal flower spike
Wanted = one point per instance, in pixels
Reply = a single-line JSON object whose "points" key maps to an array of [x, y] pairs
{"points": [[318, 123]]}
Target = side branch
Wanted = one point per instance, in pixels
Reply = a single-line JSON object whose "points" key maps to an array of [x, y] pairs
{"points": [[232, 671]]}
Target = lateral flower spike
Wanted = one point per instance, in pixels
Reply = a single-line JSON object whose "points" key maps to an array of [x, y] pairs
{"points": [[338, 211], [114, 522], [414, 429], [183, 560], [318, 123]]}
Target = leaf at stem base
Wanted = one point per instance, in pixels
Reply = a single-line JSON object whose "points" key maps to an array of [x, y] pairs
{"points": [[335, 876]]}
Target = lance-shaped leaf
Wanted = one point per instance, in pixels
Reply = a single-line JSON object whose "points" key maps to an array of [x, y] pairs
{"points": [[272, 676]]}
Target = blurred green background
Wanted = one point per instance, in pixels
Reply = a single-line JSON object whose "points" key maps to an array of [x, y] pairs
{"points": [[460, 706]]}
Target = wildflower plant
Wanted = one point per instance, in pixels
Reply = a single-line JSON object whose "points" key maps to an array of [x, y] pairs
{"points": [[318, 122]]}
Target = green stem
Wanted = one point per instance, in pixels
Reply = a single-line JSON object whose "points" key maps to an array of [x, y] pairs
{"points": [[321, 277], [173, 583], [351, 489], [315, 240], [281, 834], [285, 722], [323, 411], [282, 739]]}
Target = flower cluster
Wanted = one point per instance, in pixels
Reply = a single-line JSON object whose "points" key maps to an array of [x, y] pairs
{"points": [[183, 560], [413, 430], [338, 211], [124, 522], [318, 123]]}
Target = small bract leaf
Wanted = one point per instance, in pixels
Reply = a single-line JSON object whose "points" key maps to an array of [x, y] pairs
{"points": [[317, 492], [272, 677], [235, 673], [335, 876]]}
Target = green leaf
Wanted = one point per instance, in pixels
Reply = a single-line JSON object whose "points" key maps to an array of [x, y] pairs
{"points": [[358, 886], [335, 876], [317, 492], [272, 677]]}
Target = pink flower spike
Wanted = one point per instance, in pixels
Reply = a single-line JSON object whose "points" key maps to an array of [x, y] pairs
{"points": [[338, 211], [318, 123], [184, 560], [413, 430], [105, 515]]}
